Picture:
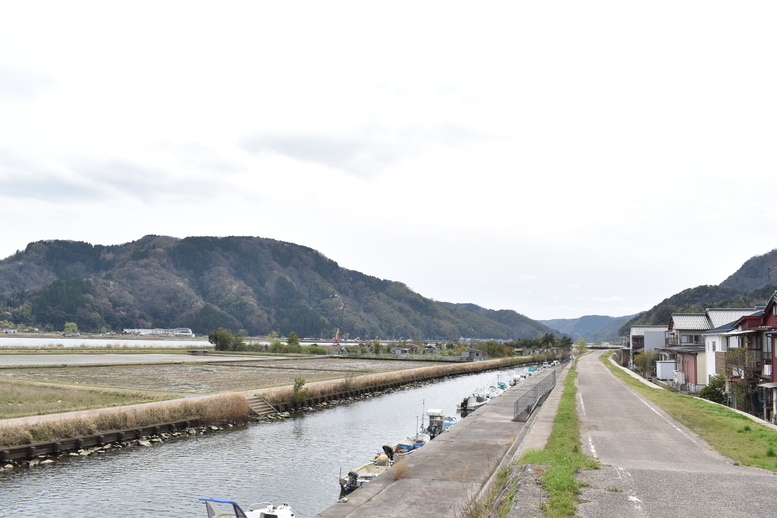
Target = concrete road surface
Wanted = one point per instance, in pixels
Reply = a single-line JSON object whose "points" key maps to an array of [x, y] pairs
{"points": [[651, 465]]}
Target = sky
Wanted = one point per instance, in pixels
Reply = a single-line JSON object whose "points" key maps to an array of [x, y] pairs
{"points": [[558, 158]]}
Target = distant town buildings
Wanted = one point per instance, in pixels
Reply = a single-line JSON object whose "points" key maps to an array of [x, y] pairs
{"points": [[178, 331]]}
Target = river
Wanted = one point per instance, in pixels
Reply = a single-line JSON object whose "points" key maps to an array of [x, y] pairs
{"points": [[297, 461]]}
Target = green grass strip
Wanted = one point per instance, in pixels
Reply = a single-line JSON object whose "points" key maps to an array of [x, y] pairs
{"points": [[732, 434], [563, 454]]}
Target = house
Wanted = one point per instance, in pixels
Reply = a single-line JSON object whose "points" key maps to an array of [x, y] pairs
{"points": [[470, 354], [752, 383], [648, 338], [688, 345]]}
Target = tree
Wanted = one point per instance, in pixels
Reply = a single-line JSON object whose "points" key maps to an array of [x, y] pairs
{"points": [[645, 362], [293, 339], [223, 340], [71, 328], [737, 361], [299, 394]]}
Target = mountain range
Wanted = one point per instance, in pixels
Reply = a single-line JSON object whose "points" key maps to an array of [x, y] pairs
{"points": [[590, 327], [256, 286], [249, 285]]}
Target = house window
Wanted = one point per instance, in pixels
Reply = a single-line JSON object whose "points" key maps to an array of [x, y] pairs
{"points": [[713, 346]]}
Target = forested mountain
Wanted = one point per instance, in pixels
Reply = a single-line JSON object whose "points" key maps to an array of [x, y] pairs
{"points": [[244, 284], [750, 286], [520, 324], [589, 327], [755, 273]]}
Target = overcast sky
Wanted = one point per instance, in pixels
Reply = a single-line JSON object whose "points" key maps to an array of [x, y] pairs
{"points": [[556, 158]]}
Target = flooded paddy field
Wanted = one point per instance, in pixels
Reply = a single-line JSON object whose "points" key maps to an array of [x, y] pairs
{"points": [[211, 377]]}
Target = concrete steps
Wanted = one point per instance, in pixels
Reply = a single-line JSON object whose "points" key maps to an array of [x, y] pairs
{"points": [[260, 406]]}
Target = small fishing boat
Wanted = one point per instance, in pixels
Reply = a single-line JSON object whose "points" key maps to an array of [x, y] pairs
{"points": [[472, 402], [216, 508], [361, 475], [412, 443], [438, 423]]}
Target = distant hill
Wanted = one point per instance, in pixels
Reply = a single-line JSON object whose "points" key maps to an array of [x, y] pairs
{"points": [[520, 325], [590, 327], [244, 284], [754, 274]]}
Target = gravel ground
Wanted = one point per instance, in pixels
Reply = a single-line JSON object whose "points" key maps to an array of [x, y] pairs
{"points": [[209, 378]]}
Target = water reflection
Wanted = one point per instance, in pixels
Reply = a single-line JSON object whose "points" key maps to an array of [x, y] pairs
{"points": [[296, 461]]}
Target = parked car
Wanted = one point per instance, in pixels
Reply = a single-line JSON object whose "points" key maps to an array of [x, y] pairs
{"points": [[545, 364], [555, 362]]}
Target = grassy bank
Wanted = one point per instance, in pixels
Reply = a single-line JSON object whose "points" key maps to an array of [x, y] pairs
{"points": [[563, 455], [730, 433], [213, 409], [29, 399]]}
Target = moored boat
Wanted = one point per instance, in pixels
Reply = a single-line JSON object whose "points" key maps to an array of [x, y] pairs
{"points": [[438, 423], [216, 509], [358, 477], [412, 443], [473, 402]]}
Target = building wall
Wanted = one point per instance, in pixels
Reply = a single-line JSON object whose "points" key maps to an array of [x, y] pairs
{"points": [[654, 340], [701, 368], [686, 363]]}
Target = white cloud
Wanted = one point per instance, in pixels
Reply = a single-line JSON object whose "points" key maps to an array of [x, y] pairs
{"points": [[511, 155]]}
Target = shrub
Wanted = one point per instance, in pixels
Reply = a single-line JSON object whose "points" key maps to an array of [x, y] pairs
{"points": [[714, 390], [299, 394]]}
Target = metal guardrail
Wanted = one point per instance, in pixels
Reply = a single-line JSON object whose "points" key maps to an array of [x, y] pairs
{"points": [[525, 405]]}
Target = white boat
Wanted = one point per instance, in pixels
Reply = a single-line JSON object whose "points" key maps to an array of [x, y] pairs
{"points": [[472, 402], [223, 507], [363, 474]]}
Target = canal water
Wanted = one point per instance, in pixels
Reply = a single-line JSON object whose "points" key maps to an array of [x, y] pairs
{"points": [[296, 461]]}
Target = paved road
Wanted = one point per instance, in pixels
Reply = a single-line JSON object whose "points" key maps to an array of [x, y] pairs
{"points": [[654, 466]]}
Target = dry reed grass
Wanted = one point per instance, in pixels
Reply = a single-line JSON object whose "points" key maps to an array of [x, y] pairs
{"points": [[214, 409], [399, 469], [283, 395]]}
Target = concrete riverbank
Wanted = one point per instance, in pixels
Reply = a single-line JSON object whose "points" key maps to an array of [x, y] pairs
{"points": [[447, 475]]}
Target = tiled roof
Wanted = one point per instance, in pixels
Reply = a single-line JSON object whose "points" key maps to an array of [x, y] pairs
{"points": [[721, 316], [690, 322]]}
